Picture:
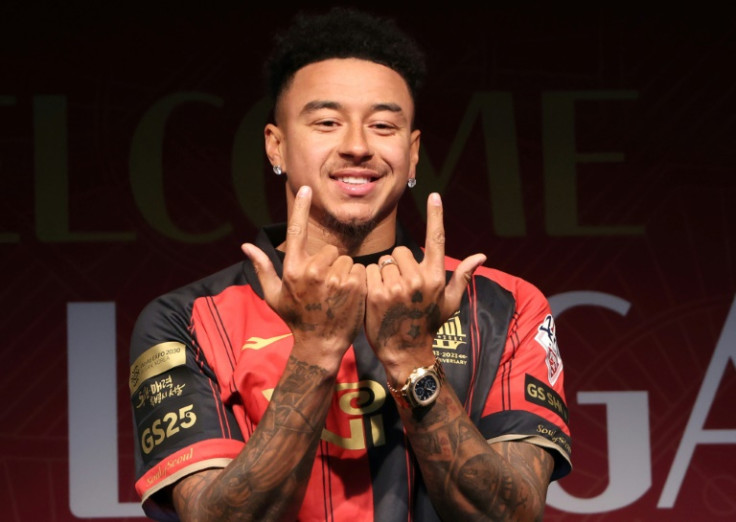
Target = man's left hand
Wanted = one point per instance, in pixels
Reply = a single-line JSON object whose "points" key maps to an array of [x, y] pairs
{"points": [[407, 302]]}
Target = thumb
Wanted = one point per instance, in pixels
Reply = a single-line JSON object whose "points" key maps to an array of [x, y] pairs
{"points": [[267, 276], [459, 282]]}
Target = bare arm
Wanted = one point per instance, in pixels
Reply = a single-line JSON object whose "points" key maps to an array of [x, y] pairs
{"points": [[267, 481], [322, 299], [469, 478]]}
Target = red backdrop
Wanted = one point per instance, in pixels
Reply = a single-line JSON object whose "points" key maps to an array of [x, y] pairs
{"points": [[591, 152]]}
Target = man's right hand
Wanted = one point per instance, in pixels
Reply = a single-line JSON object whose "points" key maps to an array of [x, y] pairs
{"points": [[321, 297]]}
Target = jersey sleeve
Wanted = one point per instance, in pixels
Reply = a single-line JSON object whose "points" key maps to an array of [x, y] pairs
{"points": [[181, 423], [527, 398]]}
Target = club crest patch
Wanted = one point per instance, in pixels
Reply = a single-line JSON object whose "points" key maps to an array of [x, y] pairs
{"points": [[548, 340]]}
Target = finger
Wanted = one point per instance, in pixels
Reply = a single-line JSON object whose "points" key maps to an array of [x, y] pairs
{"points": [[296, 231], [388, 267], [386, 260], [434, 252], [459, 282], [404, 258], [373, 279], [408, 266], [327, 256], [358, 274], [269, 279], [340, 268]]}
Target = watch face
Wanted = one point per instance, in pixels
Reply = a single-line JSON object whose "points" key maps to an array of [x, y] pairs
{"points": [[425, 389]]}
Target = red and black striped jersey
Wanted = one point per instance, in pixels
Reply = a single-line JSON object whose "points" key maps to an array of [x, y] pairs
{"points": [[205, 359]]}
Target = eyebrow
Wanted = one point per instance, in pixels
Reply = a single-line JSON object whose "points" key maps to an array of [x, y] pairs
{"points": [[326, 104]]}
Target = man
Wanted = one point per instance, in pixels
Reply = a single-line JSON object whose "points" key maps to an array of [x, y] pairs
{"points": [[340, 372]]}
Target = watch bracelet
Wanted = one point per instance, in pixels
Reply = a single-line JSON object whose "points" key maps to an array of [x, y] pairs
{"points": [[398, 394]]}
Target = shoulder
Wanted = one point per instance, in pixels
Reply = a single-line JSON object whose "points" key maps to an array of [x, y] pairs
{"points": [[167, 316], [210, 285], [523, 292]]}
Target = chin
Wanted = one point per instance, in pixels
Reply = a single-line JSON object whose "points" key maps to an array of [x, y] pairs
{"points": [[351, 228]]}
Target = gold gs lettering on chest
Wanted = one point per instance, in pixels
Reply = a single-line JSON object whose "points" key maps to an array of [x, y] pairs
{"points": [[359, 403]]}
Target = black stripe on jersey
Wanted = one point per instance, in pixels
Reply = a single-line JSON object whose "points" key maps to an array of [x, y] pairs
{"points": [[387, 462], [222, 413], [474, 343], [490, 310], [221, 329], [504, 374], [222, 332], [514, 337], [323, 452]]}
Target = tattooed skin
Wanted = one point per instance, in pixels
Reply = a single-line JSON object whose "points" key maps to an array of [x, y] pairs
{"points": [[294, 318], [471, 479], [315, 313], [396, 316], [264, 482]]}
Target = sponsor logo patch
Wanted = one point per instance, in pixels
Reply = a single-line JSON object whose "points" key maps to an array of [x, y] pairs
{"points": [[158, 390], [548, 340], [554, 435], [162, 429], [155, 361], [450, 335], [539, 393], [256, 343]]}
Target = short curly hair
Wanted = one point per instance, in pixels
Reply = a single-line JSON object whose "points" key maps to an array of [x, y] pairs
{"points": [[343, 32]]}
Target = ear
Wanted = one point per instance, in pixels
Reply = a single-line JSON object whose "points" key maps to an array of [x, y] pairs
{"points": [[273, 142], [414, 152]]}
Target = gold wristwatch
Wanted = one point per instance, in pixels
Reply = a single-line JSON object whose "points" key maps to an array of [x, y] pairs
{"points": [[422, 386]]}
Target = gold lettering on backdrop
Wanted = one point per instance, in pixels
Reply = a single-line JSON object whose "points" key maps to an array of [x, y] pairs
{"points": [[560, 159], [155, 361], [248, 159], [146, 168], [496, 111], [50, 150], [493, 109]]}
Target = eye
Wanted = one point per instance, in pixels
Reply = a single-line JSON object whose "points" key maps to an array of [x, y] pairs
{"points": [[326, 124], [384, 128]]}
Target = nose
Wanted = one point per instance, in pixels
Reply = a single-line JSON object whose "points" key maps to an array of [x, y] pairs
{"points": [[355, 143]]}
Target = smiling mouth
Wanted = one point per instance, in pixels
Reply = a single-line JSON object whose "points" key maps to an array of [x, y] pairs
{"points": [[354, 180], [355, 177]]}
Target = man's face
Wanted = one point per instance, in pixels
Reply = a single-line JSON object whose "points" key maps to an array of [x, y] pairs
{"points": [[344, 128]]}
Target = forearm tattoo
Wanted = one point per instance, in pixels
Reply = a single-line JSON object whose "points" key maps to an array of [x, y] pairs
{"points": [[469, 478], [268, 479]]}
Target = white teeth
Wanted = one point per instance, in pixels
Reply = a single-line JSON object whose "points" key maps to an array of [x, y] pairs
{"points": [[354, 181]]}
